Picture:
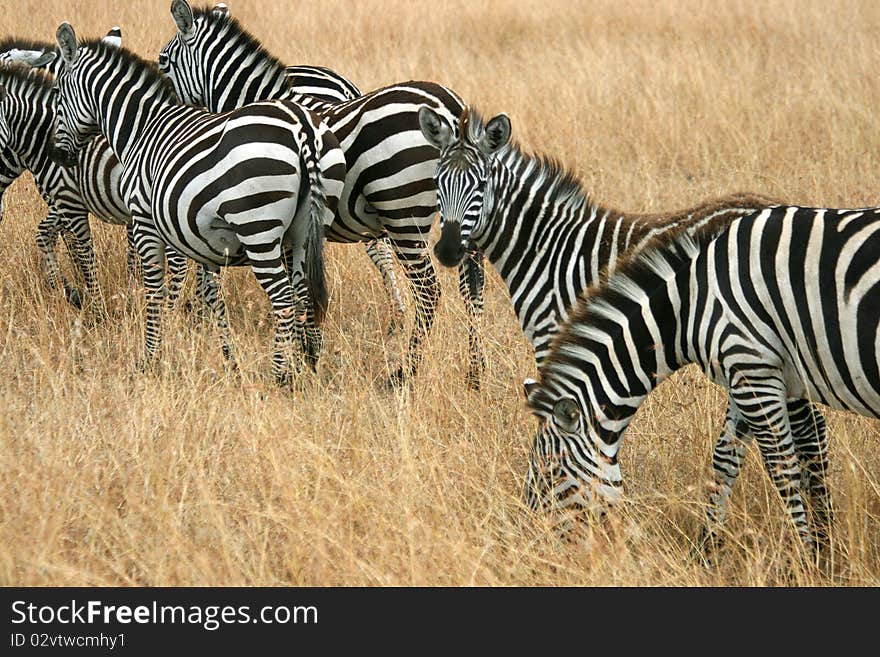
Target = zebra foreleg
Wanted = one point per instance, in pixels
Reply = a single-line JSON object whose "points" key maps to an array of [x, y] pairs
{"points": [[132, 264], [727, 460], [47, 236], [76, 224], [151, 251], [212, 298], [426, 290], [471, 279], [381, 253], [810, 435]]}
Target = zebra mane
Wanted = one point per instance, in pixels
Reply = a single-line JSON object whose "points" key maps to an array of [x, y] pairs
{"points": [[564, 186], [641, 274], [128, 59], [33, 82], [229, 27], [10, 43]]}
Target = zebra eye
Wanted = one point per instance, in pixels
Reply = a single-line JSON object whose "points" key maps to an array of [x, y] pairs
{"points": [[567, 414], [163, 60]]}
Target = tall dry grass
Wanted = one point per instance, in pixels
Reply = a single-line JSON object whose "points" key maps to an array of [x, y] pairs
{"points": [[190, 476]]}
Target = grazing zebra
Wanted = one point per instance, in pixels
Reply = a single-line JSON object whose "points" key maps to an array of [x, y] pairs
{"points": [[70, 194], [233, 189], [389, 190], [316, 87], [546, 238], [782, 305]]}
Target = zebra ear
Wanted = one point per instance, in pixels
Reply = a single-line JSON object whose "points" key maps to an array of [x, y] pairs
{"points": [[114, 37], [435, 128], [183, 16], [220, 9], [529, 385], [36, 58], [567, 414], [66, 38], [496, 135]]}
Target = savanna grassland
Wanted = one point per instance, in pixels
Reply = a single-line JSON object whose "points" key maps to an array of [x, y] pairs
{"points": [[194, 476]]}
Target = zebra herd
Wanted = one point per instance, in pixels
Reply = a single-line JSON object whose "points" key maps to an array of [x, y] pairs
{"points": [[224, 156]]}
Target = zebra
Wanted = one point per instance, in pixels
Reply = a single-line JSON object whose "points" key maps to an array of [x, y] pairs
{"points": [[70, 194], [232, 189], [389, 190], [545, 236], [779, 305], [317, 86]]}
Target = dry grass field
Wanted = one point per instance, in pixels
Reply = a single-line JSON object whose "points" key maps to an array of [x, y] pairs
{"points": [[193, 476]]}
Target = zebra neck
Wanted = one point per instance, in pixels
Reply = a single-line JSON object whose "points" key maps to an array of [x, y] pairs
{"points": [[32, 124], [234, 87], [125, 107], [623, 340]]}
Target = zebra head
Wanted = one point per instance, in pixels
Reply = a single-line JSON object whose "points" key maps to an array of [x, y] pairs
{"points": [[463, 179], [76, 123], [572, 467], [181, 59]]}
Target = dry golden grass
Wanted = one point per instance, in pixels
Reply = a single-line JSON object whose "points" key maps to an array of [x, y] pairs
{"points": [[193, 477]]}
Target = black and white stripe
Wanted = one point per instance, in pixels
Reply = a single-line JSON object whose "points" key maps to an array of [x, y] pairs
{"points": [[534, 221], [71, 193], [782, 305], [240, 188], [389, 191]]}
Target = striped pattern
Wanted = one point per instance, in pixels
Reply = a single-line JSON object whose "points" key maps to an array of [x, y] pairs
{"points": [[536, 224], [389, 189], [780, 306], [91, 187], [235, 189]]}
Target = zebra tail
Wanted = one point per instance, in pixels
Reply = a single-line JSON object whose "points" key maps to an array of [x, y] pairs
{"points": [[316, 278]]}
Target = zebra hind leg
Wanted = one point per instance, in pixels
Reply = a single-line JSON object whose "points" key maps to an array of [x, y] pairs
{"points": [[763, 404], [810, 436], [266, 263], [381, 253]]}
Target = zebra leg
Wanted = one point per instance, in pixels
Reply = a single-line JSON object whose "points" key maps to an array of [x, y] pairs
{"points": [[763, 404], [83, 252], [810, 435], [176, 275], [267, 265], [380, 253], [47, 236], [311, 337], [151, 250], [132, 266], [426, 289], [727, 460], [201, 302], [471, 279], [208, 292], [305, 328]]}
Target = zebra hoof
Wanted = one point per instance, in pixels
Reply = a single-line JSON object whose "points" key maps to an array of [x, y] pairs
{"points": [[73, 298]]}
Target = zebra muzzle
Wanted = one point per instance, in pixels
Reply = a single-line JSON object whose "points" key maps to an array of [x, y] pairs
{"points": [[449, 249]]}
